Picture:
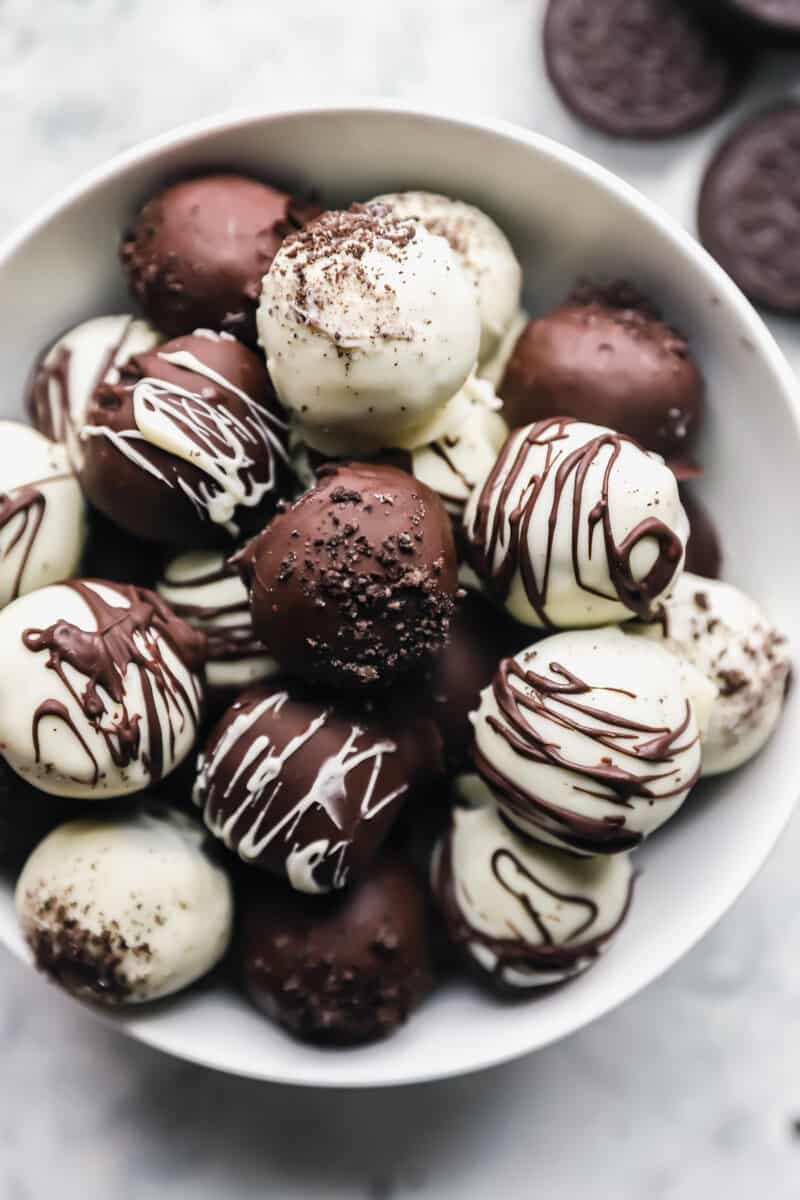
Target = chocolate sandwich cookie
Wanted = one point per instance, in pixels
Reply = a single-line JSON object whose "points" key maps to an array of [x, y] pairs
{"points": [[646, 70], [749, 209]]}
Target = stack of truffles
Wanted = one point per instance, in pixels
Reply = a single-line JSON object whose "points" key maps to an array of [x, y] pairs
{"points": [[405, 594]]}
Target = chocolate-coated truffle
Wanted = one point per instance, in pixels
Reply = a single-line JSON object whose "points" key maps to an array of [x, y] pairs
{"points": [[604, 356], [354, 583], [189, 446], [339, 970], [307, 786], [101, 690], [125, 911], [721, 632], [371, 326], [522, 914], [589, 745], [42, 512], [576, 525], [703, 549], [198, 251], [480, 635]]}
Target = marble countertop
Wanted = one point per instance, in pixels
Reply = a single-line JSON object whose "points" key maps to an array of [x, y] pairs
{"points": [[692, 1086]]}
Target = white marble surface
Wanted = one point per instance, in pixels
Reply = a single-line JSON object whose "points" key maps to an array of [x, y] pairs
{"points": [[693, 1086]]}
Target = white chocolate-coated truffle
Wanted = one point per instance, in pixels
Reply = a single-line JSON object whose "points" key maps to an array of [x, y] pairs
{"points": [[485, 253], [589, 744], [721, 632], [576, 526], [76, 363], [200, 587], [101, 689], [524, 913], [370, 326], [125, 911], [42, 512]]}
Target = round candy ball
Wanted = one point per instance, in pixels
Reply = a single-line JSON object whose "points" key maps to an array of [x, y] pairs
{"points": [[719, 630], [188, 447], [371, 326], [202, 588], [125, 911], [345, 969], [523, 914], [42, 512], [101, 691], [483, 250], [65, 377], [307, 786], [354, 583], [588, 744], [198, 250], [604, 356], [576, 525]]}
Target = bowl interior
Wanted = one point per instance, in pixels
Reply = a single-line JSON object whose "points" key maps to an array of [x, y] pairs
{"points": [[567, 218]]}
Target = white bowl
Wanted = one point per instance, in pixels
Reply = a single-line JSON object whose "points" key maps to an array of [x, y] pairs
{"points": [[566, 217]]}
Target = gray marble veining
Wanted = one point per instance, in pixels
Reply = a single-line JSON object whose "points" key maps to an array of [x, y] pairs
{"points": [[692, 1087]]}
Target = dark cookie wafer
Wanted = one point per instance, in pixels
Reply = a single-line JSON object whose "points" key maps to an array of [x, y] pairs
{"points": [[749, 207], [639, 68]]}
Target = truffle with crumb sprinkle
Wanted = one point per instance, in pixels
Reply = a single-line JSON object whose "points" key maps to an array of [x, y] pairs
{"points": [[355, 583]]}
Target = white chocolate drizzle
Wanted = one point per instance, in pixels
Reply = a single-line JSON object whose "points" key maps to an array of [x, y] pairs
{"points": [[259, 773], [208, 436]]}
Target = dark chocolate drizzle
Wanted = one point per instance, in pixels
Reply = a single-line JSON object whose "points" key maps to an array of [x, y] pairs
{"points": [[30, 503], [604, 780], [124, 637], [485, 535], [51, 415], [574, 954]]}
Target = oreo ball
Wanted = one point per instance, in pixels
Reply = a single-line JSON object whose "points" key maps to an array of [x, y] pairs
{"points": [[605, 356], [189, 447], [307, 786], [355, 583], [340, 970], [198, 250]]}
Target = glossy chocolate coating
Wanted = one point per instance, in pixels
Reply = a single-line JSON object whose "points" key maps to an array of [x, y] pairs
{"points": [[354, 583], [221, 405], [308, 786], [603, 356], [341, 969], [198, 251]]}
